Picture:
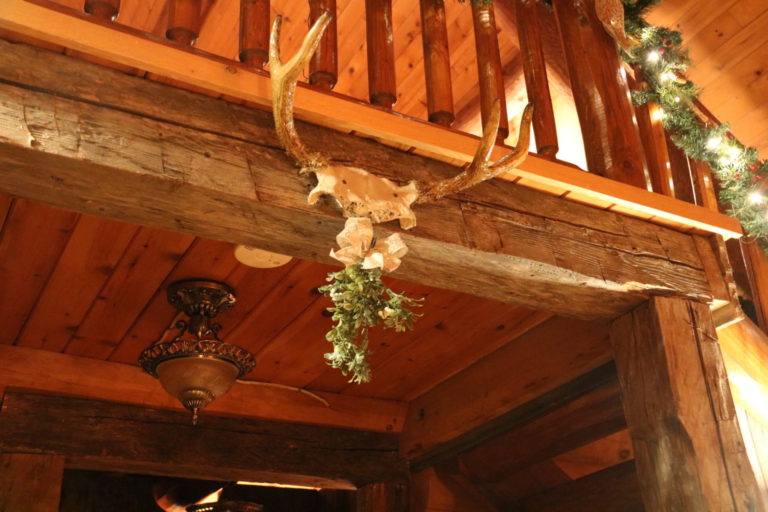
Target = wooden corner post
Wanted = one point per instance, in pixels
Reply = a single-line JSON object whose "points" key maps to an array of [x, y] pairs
{"points": [[689, 452], [30, 482]]}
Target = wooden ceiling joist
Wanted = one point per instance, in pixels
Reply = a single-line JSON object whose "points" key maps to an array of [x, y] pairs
{"points": [[108, 436], [216, 170]]}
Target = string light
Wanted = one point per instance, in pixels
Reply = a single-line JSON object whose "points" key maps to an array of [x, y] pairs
{"points": [[659, 114], [734, 153], [756, 198], [714, 142], [666, 77], [653, 56]]}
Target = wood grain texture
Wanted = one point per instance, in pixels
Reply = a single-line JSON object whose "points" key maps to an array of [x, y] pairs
{"points": [[382, 85], [611, 139], [254, 32], [545, 361], [158, 156], [101, 380], [109, 436], [437, 62], [324, 67], [489, 70], [689, 452], [30, 483]]}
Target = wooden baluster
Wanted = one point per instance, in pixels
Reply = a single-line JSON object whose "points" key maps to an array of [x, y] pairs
{"points": [[382, 87], [324, 68], [254, 32], [437, 62], [535, 69], [680, 169], [183, 21], [649, 122], [107, 10], [489, 69], [611, 138], [703, 185]]}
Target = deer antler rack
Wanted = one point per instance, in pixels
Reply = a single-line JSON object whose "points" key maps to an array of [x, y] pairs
{"points": [[359, 193]]}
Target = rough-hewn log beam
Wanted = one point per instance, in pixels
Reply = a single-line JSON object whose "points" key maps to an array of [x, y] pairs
{"points": [[109, 436], [689, 450], [30, 482], [231, 182], [79, 376]]}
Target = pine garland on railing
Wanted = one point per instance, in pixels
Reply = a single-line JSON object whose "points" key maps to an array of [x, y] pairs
{"points": [[739, 170]]}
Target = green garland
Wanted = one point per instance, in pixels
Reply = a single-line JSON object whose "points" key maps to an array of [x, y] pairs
{"points": [[362, 301], [738, 168]]}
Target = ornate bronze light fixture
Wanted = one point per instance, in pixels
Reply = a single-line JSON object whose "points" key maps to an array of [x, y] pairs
{"points": [[196, 367]]}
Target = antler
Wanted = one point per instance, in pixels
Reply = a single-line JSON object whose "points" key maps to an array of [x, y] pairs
{"points": [[283, 78], [480, 169]]}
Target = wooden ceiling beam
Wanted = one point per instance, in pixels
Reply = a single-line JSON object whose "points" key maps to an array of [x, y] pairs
{"points": [[101, 380], [109, 436], [168, 159]]}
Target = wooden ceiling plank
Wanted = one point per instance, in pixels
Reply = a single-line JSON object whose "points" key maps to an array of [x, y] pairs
{"points": [[103, 380], [597, 455], [139, 439], [34, 236], [488, 389], [146, 263], [91, 255], [207, 259]]}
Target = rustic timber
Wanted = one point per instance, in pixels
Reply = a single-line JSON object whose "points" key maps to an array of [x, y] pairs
{"points": [[382, 497], [547, 357], [184, 19], [102, 380], [689, 452], [535, 68], [118, 44], [489, 71], [562, 420], [30, 482], [247, 193], [382, 86], [323, 68], [108, 436], [590, 404], [103, 9], [254, 32], [437, 62], [611, 490], [611, 139]]}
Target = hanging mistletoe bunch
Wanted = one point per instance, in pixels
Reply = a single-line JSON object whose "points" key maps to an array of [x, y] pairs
{"points": [[361, 301], [360, 298], [663, 62]]}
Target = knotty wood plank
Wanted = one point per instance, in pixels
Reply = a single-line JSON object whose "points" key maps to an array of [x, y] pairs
{"points": [[213, 74], [33, 238], [30, 483], [236, 185], [545, 358], [148, 259], [689, 452], [89, 258], [102, 380], [110, 436]]}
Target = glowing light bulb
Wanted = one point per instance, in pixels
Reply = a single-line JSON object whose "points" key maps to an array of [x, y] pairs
{"points": [[725, 161], [677, 99], [714, 142], [666, 77], [658, 114], [734, 153], [756, 198], [653, 56]]}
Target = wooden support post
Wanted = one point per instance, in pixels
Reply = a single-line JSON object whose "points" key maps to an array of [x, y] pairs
{"points": [[30, 483], [382, 497], [611, 139], [254, 32], [756, 263], [382, 87], [703, 185], [183, 21], [324, 68], [680, 171], [489, 70], [437, 62], [103, 9], [535, 69], [689, 451]]}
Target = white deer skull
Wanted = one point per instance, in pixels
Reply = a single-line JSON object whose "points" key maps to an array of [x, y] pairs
{"points": [[358, 192]]}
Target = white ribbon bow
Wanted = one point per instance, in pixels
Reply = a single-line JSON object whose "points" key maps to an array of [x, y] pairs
{"points": [[355, 246]]}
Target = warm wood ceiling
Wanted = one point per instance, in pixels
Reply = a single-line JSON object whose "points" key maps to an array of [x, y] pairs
{"points": [[96, 288]]}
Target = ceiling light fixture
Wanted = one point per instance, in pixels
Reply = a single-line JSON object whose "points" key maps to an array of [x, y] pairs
{"points": [[226, 506], [196, 367]]}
